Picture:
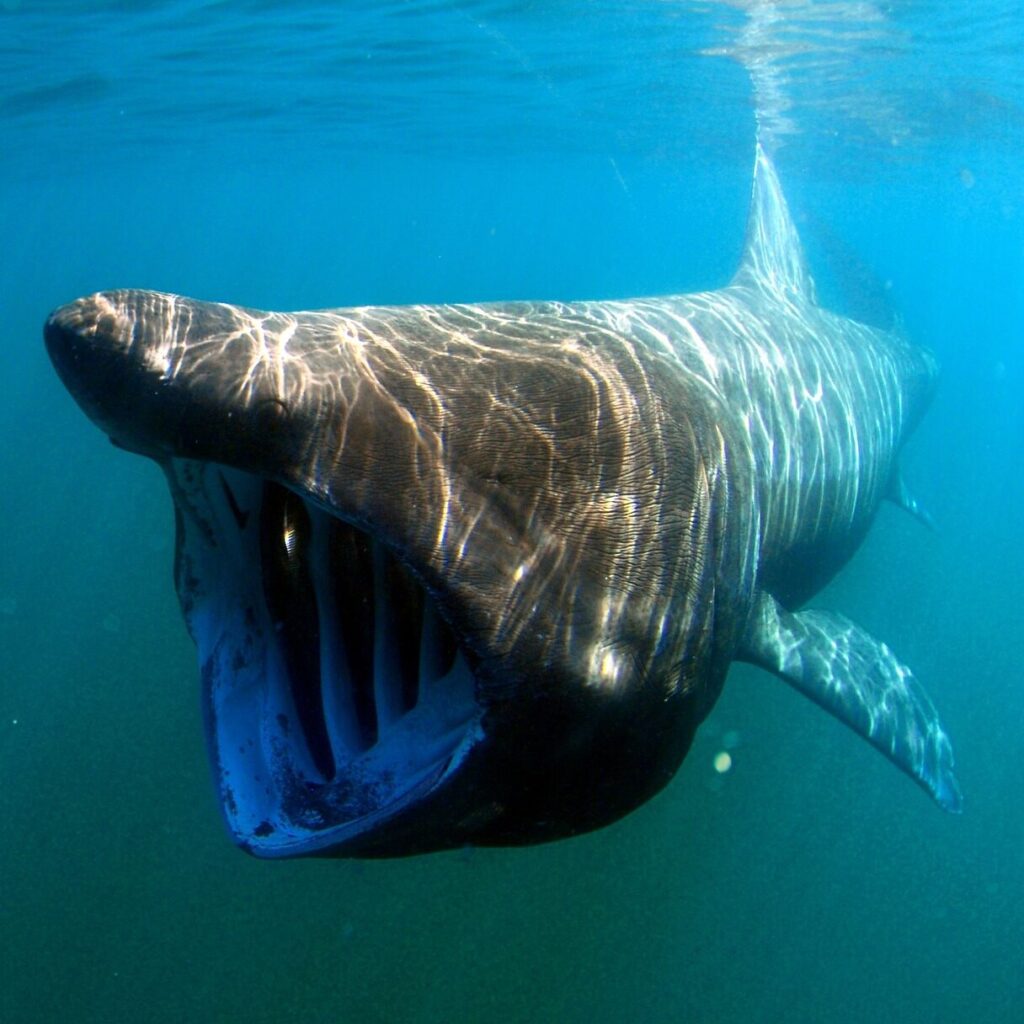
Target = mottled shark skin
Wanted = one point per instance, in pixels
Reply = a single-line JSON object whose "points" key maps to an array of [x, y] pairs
{"points": [[475, 573]]}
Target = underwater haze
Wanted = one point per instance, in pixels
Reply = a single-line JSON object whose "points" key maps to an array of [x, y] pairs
{"points": [[307, 155]]}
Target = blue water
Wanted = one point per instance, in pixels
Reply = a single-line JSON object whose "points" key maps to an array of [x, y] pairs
{"points": [[304, 155]]}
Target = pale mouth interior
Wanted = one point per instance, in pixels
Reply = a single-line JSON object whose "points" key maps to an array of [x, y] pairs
{"points": [[336, 694]]}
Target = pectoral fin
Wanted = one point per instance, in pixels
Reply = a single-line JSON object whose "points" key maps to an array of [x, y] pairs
{"points": [[859, 680], [899, 494]]}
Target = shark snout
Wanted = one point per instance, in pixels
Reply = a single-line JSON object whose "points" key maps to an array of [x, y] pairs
{"points": [[137, 364], [90, 342]]}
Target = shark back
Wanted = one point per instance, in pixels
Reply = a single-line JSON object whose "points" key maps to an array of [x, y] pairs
{"points": [[823, 403]]}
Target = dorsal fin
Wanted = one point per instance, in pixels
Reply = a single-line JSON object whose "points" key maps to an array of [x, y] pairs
{"points": [[773, 257]]}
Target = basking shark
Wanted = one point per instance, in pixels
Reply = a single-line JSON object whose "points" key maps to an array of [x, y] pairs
{"points": [[474, 574]]}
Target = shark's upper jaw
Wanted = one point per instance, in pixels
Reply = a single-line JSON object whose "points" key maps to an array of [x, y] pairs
{"points": [[336, 697]]}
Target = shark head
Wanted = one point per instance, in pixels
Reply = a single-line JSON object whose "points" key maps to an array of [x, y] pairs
{"points": [[450, 571]]}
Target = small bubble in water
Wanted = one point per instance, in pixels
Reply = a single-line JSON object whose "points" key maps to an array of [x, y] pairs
{"points": [[112, 622], [722, 762]]}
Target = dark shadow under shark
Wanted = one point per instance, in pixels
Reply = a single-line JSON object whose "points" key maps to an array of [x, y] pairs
{"points": [[475, 573]]}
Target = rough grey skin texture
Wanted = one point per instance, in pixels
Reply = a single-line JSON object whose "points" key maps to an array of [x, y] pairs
{"points": [[607, 502]]}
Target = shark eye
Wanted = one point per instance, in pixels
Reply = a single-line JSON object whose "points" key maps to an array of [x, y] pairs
{"points": [[271, 410], [271, 421]]}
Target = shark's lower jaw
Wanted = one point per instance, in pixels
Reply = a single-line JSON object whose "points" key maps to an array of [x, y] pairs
{"points": [[335, 695]]}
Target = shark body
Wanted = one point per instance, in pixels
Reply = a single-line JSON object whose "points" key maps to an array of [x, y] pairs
{"points": [[474, 574]]}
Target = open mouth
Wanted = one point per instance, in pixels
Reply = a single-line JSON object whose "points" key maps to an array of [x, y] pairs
{"points": [[335, 693]]}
